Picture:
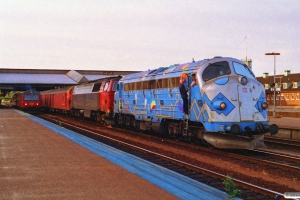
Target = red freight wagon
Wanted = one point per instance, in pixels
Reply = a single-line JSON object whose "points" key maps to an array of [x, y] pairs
{"points": [[57, 100]]}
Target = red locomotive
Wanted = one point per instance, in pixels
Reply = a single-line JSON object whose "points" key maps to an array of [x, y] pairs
{"points": [[29, 101]]}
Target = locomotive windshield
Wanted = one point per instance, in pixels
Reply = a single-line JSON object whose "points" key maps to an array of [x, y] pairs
{"points": [[31, 97], [216, 69], [243, 70]]}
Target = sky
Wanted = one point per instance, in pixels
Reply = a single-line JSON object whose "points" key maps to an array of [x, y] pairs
{"points": [[146, 34]]}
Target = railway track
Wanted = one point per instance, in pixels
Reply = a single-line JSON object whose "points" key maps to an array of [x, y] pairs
{"points": [[177, 163], [282, 141], [280, 161]]}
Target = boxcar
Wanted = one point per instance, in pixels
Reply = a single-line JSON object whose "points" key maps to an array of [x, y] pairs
{"points": [[57, 100]]}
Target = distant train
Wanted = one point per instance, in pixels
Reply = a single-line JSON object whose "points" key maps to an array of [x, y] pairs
{"points": [[29, 101], [226, 108]]}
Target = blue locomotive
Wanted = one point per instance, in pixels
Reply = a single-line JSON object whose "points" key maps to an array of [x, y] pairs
{"points": [[226, 108]]}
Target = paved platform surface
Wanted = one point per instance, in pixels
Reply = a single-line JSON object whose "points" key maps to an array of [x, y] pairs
{"points": [[283, 122], [36, 163], [41, 160]]}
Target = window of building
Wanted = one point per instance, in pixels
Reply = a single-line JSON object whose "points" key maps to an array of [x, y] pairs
{"points": [[268, 97], [292, 96], [281, 97], [266, 86], [272, 98], [295, 85], [287, 97], [277, 96], [297, 96], [285, 86]]}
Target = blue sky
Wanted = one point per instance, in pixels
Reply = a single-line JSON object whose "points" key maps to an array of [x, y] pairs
{"points": [[141, 35]]}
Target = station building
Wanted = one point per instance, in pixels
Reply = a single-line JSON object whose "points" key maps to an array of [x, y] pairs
{"points": [[287, 89]]}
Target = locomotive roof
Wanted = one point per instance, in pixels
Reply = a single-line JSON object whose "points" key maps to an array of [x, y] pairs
{"points": [[103, 79], [164, 72]]}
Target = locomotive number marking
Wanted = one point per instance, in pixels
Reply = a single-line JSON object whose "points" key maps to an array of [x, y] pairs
{"points": [[245, 90]]}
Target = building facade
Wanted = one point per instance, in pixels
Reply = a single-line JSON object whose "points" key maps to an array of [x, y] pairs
{"points": [[286, 86]]}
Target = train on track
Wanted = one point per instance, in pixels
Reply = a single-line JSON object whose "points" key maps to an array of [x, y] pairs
{"points": [[29, 101], [227, 106]]}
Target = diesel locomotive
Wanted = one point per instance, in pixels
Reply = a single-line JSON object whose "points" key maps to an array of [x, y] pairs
{"points": [[227, 107]]}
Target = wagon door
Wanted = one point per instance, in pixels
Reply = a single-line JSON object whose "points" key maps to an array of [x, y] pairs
{"points": [[245, 103]]}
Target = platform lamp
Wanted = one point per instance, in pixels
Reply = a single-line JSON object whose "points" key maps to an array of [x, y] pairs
{"points": [[274, 54]]}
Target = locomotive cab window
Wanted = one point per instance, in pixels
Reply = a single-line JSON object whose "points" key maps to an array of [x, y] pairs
{"points": [[115, 86], [96, 87], [216, 69], [243, 70], [31, 97]]}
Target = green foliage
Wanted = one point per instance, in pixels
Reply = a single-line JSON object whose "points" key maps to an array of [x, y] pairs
{"points": [[8, 97], [230, 187]]}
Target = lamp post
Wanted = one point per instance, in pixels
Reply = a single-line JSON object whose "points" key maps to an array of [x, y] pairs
{"points": [[274, 54]]}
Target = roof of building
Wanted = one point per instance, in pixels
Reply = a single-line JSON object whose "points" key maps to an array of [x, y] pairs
{"points": [[43, 79], [8, 78]]}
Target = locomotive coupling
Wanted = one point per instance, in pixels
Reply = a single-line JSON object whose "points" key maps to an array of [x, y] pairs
{"points": [[273, 128]]}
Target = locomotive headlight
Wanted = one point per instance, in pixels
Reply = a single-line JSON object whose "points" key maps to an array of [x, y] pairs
{"points": [[223, 105], [243, 80], [264, 105], [220, 105]]}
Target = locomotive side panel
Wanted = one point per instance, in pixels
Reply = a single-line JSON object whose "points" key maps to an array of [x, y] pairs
{"points": [[86, 101], [86, 97]]}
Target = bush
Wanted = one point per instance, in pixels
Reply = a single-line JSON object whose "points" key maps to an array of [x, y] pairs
{"points": [[230, 187]]}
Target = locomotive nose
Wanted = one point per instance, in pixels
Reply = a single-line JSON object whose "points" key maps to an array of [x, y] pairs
{"points": [[273, 129]]}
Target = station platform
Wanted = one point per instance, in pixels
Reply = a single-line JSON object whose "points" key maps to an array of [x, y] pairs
{"points": [[285, 122], [40, 160]]}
